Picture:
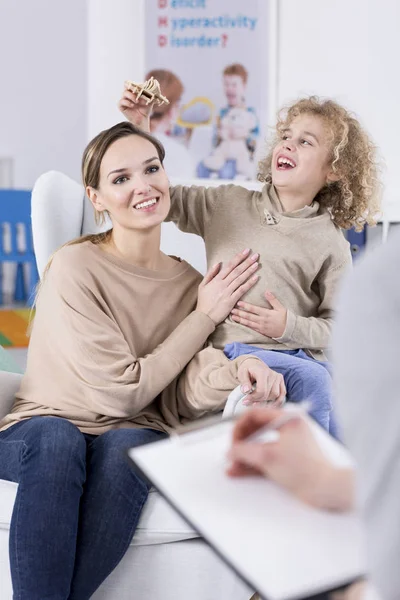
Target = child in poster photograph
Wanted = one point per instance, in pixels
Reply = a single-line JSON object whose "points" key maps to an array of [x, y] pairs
{"points": [[218, 49], [236, 131]]}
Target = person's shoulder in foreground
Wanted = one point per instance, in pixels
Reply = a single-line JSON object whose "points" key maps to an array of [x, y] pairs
{"points": [[365, 356]]}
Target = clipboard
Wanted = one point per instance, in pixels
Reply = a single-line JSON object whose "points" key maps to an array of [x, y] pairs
{"points": [[280, 547]]}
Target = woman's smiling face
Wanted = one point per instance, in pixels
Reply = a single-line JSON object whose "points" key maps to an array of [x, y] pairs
{"points": [[133, 186]]}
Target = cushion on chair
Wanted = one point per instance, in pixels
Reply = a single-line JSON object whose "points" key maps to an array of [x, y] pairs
{"points": [[159, 523], [9, 384], [8, 489]]}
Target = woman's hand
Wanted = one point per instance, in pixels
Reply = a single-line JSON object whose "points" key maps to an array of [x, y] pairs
{"points": [[137, 111], [269, 385], [270, 322], [295, 461], [222, 287]]}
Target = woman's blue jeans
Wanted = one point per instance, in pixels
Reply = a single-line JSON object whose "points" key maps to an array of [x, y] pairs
{"points": [[77, 506]]}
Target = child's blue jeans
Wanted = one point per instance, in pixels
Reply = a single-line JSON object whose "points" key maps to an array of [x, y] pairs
{"points": [[305, 379]]}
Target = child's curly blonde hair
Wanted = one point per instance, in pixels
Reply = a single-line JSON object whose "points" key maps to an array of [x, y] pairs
{"points": [[353, 200]]}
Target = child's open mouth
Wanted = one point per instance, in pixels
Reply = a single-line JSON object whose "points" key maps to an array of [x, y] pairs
{"points": [[284, 163]]}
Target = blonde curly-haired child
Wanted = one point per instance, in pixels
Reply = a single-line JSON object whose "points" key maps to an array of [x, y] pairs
{"points": [[321, 176]]}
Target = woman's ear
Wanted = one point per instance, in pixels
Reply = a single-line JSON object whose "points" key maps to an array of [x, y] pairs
{"points": [[91, 193]]}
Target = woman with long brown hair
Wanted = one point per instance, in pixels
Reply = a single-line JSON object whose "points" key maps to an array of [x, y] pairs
{"points": [[116, 322]]}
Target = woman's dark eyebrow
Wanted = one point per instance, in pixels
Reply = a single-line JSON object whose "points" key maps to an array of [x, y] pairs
{"points": [[145, 162], [117, 171]]}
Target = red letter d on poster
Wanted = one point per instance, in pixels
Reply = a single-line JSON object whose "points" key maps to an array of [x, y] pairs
{"points": [[162, 40]]}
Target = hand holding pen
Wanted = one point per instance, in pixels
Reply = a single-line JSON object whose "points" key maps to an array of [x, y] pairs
{"points": [[293, 459]]}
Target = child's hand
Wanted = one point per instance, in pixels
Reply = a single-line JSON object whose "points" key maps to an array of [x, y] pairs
{"points": [[137, 111], [270, 322]]}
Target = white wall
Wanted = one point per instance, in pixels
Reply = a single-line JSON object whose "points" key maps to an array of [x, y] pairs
{"points": [[43, 95], [115, 53], [349, 50]]}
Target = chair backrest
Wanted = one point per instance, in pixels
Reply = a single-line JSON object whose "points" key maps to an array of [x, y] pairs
{"points": [[59, 214], [16, 242]]}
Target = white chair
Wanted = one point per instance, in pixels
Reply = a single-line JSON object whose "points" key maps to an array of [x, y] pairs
{"points": [[166, 560]]}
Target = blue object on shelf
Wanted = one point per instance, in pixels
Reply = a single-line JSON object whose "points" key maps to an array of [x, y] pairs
{"points": [[357, 241], [15, 212]]}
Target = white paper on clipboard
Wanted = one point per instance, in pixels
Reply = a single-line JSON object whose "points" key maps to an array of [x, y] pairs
{"points": [[281, 547]]}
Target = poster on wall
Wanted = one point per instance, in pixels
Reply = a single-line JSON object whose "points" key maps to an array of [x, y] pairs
{"points": [[213, 61]]}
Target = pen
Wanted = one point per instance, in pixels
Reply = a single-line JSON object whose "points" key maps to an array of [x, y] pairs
{"points": [[270, 433]]}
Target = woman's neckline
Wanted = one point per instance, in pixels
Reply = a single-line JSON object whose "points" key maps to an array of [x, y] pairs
{"points": [[179, 267]]}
